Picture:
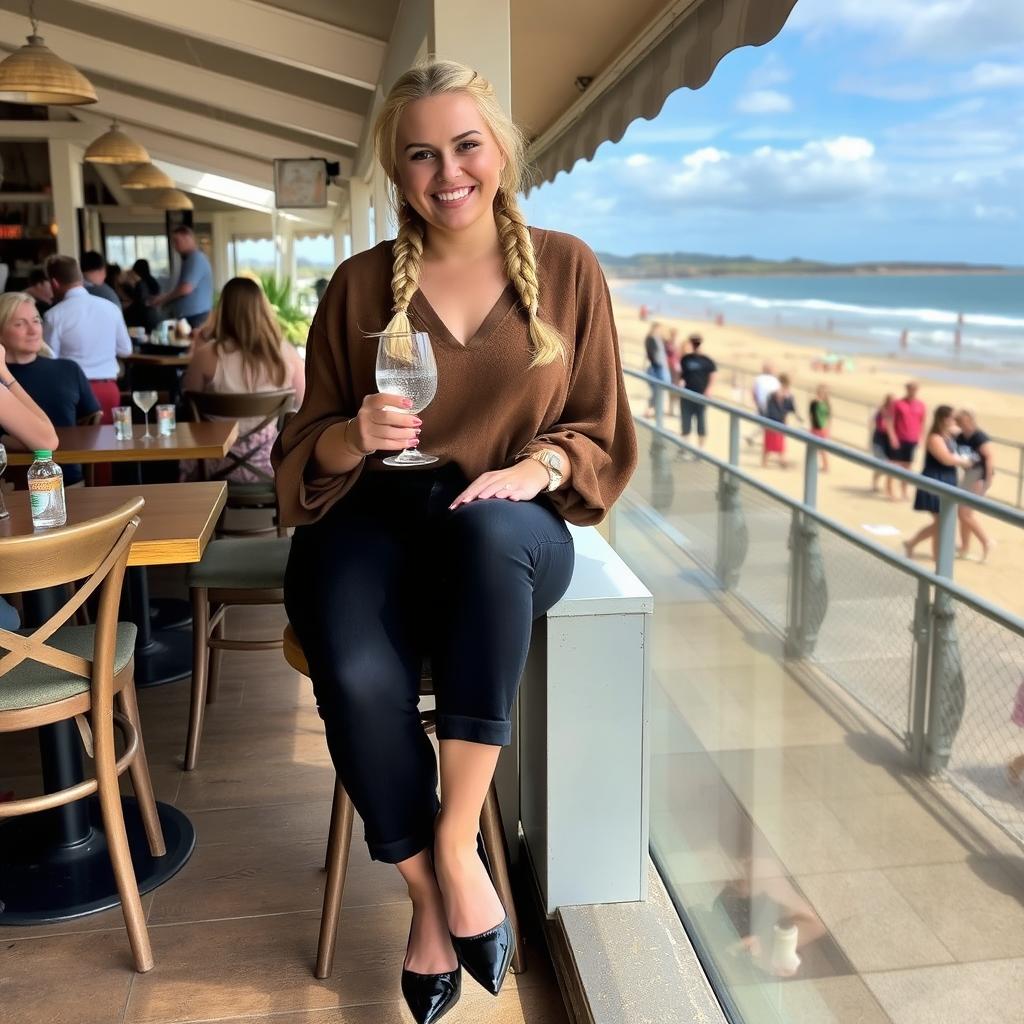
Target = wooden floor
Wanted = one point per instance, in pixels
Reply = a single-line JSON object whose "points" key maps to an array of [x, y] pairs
{"points": [[234, 933]]}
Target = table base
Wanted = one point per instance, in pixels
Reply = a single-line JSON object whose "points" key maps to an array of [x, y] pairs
{"points": [[165, 659], [41, 881], [169, 613]]}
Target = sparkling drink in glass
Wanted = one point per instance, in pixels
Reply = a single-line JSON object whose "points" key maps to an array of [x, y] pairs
{"points": [[406, 367], [3, 466], [145, 400], [166, 421]]}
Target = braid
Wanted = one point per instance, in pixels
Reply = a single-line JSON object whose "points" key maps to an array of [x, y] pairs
{"points": [[405, 276], [521, 267]]}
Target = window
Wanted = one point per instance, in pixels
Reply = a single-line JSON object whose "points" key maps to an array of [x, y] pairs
{"points": [[126, 249]]}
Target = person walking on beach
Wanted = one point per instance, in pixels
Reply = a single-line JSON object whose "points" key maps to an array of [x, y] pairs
{"points": [[765, 385], [977, 478], [697, 373], [673, 355], [777, 408], [657, 366], [820, 415], [941, 462], [908, 421], [883, 441], [530, 427]]}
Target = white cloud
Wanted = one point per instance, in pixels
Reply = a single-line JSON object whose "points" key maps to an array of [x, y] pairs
{"points": [[764, 101], [637, 160], [771, 71], [933, 28], [996, 213], [985, 77], [988, 76]]}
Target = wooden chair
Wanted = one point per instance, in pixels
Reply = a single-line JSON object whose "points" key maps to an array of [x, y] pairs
{"points": [[92, 419], [231, 572], [340, 840], [58, 672], [266, 406]]}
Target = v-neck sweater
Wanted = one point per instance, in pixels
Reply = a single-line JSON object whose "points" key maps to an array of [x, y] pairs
{"points": [[491, 407]]}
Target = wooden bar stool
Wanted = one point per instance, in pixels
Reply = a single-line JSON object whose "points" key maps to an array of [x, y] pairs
{"points": [[340, 840]]}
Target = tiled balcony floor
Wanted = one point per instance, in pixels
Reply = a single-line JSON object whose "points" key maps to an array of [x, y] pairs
{"points": [[234, 933]]}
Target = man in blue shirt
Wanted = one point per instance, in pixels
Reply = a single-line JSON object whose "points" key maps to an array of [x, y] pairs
{"points": [[193, 294]]}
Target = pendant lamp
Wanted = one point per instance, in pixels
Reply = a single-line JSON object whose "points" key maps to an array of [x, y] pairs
{"points": [[114, 147], [35, 74], [147, 176], [170, 199]]}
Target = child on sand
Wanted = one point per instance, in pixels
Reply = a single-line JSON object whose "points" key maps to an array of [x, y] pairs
{"points": [[820, 414]]}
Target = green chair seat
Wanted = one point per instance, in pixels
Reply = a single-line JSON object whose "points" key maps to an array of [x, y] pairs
{"points": [[33, 684], [242, 564], [253, 492]]}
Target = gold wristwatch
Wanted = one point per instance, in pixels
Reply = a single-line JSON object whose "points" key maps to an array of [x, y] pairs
{"points": [[552, 462]]}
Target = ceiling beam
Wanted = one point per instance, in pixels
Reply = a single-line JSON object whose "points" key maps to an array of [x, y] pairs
{"points": [[177, 78], [112, 182], [26, 131], [199, 155], [132, 110], [265, 31]]}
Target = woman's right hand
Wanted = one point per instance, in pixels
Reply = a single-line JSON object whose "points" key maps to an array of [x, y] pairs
{"points": [[380, 425]]}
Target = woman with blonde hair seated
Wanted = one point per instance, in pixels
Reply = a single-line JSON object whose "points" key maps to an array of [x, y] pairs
{"points": [[246, 355]]}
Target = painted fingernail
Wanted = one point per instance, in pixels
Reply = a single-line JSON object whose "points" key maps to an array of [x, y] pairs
{"points": [[418, 422], [418, 431], [407, 402], [415, 441]]}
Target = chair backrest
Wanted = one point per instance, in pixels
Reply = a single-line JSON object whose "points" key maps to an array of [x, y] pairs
{"points": [[265, 407], [95, 552]]}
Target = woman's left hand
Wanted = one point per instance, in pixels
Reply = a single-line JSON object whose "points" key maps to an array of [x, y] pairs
{"points": [[521, 482]]}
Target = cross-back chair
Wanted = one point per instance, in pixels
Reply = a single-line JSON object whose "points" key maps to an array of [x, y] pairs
{"points": [[54, 672]]}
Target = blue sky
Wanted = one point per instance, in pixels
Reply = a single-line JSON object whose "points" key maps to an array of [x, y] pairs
{"points": [[867, 129]]}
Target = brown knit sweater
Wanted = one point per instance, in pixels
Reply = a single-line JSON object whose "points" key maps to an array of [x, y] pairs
{"points": [[490, 406]]}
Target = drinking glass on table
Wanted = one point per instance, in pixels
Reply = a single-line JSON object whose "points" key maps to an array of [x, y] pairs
{"points": [[3, 466], [406, 367], [145, 400]]}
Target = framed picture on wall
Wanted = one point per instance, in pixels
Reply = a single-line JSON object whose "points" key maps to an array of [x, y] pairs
{"points": [[300, 184]]}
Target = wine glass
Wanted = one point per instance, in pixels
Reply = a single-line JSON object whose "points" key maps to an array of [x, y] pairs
{"points": [[145, 400], [406, 367], [3, 466]]}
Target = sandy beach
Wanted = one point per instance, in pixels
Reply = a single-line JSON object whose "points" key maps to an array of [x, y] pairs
{"points": [[845, 490]]}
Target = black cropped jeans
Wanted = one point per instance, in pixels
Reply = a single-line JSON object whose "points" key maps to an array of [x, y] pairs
{"points": [[389, 575]]}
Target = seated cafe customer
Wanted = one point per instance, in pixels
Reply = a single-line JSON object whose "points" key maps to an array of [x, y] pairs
{"points": [[57, 386], [246, 355], [89, 330]]}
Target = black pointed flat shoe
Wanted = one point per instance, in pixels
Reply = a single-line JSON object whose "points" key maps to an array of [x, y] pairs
{"points": [[487, 956], [430, 996]]}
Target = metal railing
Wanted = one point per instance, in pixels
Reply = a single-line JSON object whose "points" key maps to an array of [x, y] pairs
{"points": [[937, 664], [858, 416]]}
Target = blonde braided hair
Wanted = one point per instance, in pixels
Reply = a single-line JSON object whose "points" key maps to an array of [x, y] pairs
{"points": [[434, 78]]}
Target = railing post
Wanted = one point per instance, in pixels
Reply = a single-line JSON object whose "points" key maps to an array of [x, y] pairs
{"points": [[1020, 476], [946, 692], [732, 539], [811, 475], [808, 586], [922, 633], [734, 439], [659, 405]]}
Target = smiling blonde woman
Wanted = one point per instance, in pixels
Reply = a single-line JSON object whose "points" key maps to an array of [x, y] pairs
{"points": [[532, 429]]}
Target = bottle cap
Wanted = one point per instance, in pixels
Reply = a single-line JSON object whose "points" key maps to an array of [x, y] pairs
{"points": [[43, 454]]}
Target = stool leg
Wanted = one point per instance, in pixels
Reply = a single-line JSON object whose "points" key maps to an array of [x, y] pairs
{"points": [[493, 833], [337, 867], [213, 680], [200, 665]]}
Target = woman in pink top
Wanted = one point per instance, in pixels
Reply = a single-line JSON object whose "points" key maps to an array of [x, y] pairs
{"points": [[908, 424], [247, 355]]}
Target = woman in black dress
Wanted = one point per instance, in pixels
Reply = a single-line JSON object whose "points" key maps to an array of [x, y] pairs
{"points": [[143, 286], [940, 463]]}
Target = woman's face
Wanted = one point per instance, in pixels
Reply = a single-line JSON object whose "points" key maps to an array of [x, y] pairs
{"points": [[449, 163], [948, 423], [23, 335]]}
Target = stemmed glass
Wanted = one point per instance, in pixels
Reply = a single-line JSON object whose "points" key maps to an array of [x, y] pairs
{"points": [[406, 367], [3, 466], [145, 400]]}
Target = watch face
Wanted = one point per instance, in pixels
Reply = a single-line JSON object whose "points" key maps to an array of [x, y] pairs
{"points": [[554, 461]]}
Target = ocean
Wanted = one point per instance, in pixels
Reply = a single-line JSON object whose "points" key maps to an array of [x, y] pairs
{"points": [[851, 313]]}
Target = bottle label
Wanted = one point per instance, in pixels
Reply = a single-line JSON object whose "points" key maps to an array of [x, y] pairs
{"points": [[39, 492]]}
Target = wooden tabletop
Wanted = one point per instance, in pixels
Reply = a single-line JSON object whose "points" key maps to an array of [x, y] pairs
{"points": [[97, 444], [177, 519], [146, 359]]}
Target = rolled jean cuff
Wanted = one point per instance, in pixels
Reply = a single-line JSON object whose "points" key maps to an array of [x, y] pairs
{"points": [[397, 850], [474, 730]]}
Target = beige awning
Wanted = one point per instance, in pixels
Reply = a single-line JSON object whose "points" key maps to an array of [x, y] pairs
{"points": [[681, 47]]}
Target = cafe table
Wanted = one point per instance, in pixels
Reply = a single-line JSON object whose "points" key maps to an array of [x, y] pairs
{"points": [[161, 655], [55, 865]]}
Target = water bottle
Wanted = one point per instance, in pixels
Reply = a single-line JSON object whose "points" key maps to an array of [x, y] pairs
{"points": [[46, 492]]}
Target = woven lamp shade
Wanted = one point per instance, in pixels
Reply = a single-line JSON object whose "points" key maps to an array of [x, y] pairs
{"points": [[35, 74], [114, 147], [147, 176], [171, 199]]}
